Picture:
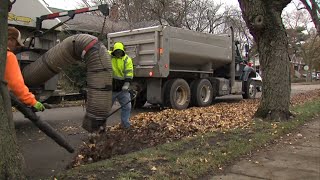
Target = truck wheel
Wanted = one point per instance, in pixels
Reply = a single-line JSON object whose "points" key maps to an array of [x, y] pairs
{"points": [[249, 89], [177, 94], [201, 92], [141, 100], [165, 103]]}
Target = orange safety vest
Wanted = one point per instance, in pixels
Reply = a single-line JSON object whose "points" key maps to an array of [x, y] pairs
{"points": [[15, 81]]}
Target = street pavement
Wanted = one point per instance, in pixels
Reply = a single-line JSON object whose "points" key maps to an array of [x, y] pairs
{"points": [[43, 157]]}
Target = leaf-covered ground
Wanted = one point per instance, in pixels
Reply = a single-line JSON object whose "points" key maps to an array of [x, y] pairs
{"points": [[153, 128]]}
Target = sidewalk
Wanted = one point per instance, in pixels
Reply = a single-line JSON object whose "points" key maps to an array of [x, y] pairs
{"points": [[296, 156]]}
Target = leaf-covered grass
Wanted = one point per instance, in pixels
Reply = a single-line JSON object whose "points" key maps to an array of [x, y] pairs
{"points": [[193, 157]]}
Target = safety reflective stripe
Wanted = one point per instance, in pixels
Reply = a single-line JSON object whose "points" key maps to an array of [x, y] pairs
{"points": [[88, 47], [126, 74], [125, 66], [127, 71], [122, 73], [125, 63]]}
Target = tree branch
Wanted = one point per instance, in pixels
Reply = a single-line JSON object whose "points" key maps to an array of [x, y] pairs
{"points": [[313, 11]]}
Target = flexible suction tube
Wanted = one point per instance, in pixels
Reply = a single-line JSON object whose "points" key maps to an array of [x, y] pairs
{"points": [[81, 47]]}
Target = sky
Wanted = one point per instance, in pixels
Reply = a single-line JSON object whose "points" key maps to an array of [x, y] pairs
{"points": [[63, 4]]}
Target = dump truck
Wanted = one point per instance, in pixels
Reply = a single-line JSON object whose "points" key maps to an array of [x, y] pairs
{"points": [[178, 68]]}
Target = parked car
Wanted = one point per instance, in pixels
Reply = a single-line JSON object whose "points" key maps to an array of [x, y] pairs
{"points": [[258, 81], [314, 75]]}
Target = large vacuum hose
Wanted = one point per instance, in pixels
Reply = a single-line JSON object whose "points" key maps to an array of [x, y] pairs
{"points": [[81, 47]]}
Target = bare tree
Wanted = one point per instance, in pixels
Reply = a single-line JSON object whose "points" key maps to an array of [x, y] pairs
{"points": [[167, 12], [311, 52], [10, 157], [312, 7], [131, 12], [203, 16], [303, 41], [233, 17], [263, 18]]}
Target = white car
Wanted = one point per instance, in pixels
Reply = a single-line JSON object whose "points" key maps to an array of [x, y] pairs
{"points": [[258, 81]]}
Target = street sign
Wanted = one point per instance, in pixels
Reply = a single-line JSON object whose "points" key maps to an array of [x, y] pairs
{"points": [[306, 67]]}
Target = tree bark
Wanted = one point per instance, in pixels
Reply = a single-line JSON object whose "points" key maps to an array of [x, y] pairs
{"points": [[263, 18], [10, 157]]}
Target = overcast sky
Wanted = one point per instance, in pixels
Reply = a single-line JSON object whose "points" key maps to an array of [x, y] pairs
{"points": [[63, 4]]}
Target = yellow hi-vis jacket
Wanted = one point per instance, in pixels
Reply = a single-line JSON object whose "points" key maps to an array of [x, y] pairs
{"points": [[122, 67]]}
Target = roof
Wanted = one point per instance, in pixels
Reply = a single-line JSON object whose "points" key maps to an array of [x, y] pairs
{"points": [[92, 23]]}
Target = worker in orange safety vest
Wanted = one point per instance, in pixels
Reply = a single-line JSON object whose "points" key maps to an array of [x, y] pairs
{"points": [[13, 74]]}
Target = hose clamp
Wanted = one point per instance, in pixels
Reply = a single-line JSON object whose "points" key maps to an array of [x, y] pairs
{"points": [[88, 47]]}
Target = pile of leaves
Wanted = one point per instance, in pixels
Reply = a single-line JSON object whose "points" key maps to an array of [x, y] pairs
{"points": [[154, 128], [304, 97]]}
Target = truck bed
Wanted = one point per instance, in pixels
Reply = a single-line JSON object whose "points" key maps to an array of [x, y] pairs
{"points": [[161, 49]]}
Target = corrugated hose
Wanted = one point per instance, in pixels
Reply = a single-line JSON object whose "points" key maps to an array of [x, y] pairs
{"points": [[80, 47]]}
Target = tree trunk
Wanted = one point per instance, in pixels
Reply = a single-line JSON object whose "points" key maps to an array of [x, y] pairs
{"points": [[10, 157], [263, 19]]}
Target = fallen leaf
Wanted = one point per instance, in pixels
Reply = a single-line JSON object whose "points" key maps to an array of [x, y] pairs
{"points": [[80, 156], [153, 128]]}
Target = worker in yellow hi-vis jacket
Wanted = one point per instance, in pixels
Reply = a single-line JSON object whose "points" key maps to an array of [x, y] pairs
{"points": [[122, 67]]}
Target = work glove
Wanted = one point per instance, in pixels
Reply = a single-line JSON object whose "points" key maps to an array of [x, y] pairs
{"points": [[39, 106], [125, 86]]}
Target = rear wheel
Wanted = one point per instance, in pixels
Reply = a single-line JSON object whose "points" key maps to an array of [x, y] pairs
{"points": [[249, 89], [141, 100], [177, 94], [201, 92]]}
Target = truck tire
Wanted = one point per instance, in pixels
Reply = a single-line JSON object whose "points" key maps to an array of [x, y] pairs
{"points": [[141, 100], [164, 87], [201, 92], [177, 94], [249, 89]]}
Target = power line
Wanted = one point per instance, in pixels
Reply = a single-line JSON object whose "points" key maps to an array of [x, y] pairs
{"points": [[86, 3], [45, 3]]}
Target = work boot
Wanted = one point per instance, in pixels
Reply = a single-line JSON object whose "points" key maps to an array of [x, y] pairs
{"points": [[127, 129]]}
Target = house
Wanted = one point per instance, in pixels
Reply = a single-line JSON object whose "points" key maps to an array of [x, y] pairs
{"points": [[92, 23]]}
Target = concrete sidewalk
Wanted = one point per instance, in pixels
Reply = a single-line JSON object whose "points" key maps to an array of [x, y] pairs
{"points": [[296, 157]]}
